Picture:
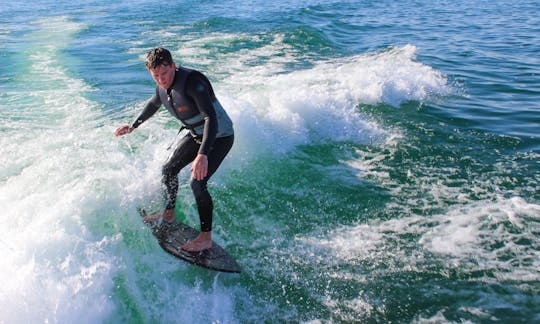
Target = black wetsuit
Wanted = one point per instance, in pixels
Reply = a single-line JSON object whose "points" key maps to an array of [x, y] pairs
{"points": [[191, 99]]}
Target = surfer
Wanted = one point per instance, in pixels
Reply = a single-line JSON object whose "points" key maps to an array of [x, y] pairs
{"points": [[188, 95]]}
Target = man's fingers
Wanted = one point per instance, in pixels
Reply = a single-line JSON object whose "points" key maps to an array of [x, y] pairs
{"points": [[199, 168], [122, 130]]}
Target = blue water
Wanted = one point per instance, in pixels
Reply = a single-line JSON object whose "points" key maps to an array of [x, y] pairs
{"points": [[386, 164]]}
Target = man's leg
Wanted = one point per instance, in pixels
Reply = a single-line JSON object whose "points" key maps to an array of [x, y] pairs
{"points": [[205, 205], [184, 154]]}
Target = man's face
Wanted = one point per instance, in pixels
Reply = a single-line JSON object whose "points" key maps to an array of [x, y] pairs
{"points": [[164, 75]]}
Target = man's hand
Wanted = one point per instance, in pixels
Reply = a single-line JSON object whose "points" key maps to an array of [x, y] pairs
{"points": [[123, 130], [199, 168]]}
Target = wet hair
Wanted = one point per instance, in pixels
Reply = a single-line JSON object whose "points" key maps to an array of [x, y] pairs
{"points": [[158, 56]]}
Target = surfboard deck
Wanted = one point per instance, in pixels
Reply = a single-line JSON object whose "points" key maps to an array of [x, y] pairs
{"points": [[171, 237]]}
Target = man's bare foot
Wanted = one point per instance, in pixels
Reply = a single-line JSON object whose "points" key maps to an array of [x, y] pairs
{"points": [[167, 215], [200, 243]]}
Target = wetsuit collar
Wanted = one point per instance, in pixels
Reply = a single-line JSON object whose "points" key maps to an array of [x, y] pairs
{"points": [[173, 81]]}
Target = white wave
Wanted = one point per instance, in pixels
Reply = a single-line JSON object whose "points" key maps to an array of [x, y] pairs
{"points": [[320, 103], [488, 233], [68, 193], [497, 238], [481, 235], [53, 268]]}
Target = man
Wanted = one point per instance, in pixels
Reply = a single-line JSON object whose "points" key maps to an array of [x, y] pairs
{"points": [[188, 95]]}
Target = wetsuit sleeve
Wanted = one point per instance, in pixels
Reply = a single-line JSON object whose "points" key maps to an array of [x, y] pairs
{"points": [[149, 110], [200, 91]]}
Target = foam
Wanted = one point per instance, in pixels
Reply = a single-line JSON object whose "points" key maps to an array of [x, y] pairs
{"points": [[53, 269], [463, 237], [472, 230], [320, 103], [69, 192], [461, 240]]}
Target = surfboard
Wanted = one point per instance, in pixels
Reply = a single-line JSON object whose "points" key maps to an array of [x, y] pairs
{"points": [[171, 237]]}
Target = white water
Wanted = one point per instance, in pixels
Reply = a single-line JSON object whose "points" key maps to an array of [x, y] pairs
{"points": [[461, 240], [53, 267], [69, 189]]}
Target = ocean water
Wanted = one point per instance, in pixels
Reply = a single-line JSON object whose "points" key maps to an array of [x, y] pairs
{"points": [[386, 165]]}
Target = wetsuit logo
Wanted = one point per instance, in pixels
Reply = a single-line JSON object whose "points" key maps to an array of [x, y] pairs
{"points": [[182, 108]]}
